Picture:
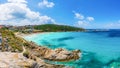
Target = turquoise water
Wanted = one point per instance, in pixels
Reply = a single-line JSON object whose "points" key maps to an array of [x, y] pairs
{"points": [[99, 49]]}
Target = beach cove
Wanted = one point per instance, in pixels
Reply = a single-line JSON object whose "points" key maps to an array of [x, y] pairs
{"points": [[44, 53], [98, 52], [27, 54]]}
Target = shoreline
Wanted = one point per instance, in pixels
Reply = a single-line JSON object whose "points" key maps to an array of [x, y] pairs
{"points": [[57, 54], [29, 34]]}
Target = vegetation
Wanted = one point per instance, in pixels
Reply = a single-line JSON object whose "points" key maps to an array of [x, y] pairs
{"points": [[10, 42], [54, 28], [26, 54]]}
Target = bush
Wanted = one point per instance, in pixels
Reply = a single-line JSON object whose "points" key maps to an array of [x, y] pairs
{"points": [[26, 54]]}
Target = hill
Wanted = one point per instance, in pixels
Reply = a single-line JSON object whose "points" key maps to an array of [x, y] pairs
{"points": [[55, 28]]}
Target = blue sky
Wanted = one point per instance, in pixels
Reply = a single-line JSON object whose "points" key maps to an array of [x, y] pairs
{"points": [[79, 13]]}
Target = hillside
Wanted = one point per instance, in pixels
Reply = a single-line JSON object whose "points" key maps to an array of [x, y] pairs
{"points": [[55, 28], [10, 42]]}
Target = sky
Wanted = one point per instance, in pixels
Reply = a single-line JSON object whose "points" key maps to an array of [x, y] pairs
{"points": [[103, 14]]}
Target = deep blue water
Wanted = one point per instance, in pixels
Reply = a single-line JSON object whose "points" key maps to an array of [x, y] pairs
{"points": [[100, 49]]}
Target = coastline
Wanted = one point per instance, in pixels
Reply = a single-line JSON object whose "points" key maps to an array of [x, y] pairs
{"points": [[29, 34], [33, 55], [45, 52], [58, 54]]}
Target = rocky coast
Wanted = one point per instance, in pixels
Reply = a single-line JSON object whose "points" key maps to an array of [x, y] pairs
{"points": [[16, 52]]}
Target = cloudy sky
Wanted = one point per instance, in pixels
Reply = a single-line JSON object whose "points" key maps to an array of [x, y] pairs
{"points": [[79, 13]]}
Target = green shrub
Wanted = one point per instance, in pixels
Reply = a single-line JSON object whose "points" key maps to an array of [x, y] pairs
{"points": [[26, 54]]}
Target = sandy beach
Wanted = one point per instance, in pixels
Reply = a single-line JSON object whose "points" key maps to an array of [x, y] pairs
{"points": [[29, 34]]}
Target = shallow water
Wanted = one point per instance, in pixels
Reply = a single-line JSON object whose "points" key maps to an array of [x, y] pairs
{"points": [[99, 49]]}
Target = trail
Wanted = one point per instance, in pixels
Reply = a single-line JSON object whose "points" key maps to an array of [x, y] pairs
{"points": [[23, 49]]}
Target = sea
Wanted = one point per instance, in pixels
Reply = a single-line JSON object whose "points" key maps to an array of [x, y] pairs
{"points": [[100, 49]]}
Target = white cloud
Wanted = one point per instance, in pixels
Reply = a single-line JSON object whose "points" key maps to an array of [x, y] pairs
{"points": [[45, 3], [17, 1], [16, 12], [79, 16], [82, 23], [85, 22], [90, 18], [82, 20]]}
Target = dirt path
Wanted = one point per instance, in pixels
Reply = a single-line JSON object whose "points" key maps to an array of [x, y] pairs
{"points": [[24, 50]]}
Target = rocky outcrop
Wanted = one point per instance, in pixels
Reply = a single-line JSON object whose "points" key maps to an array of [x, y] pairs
{"points": [[55, 55], [37, 65], [17, 60], [62, 55], [14, 60]]}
